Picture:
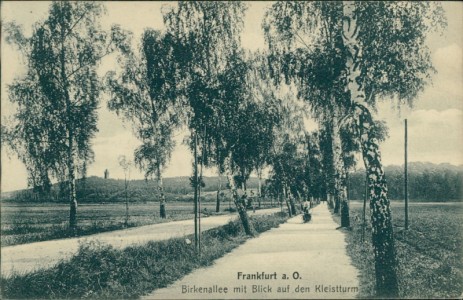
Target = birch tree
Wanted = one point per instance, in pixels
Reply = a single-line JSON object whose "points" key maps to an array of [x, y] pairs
{"points": [[267, 97], [143, 93], [211, 62], [62, 87]]}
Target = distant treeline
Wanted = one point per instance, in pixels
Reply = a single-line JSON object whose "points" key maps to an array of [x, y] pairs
{"points": [[426, 182], [97, 190]]}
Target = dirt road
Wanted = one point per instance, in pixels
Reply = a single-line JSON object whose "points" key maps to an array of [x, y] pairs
{"points": [[28, 257], [312, 256]]}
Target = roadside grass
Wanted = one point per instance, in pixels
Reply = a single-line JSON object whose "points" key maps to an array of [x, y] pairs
{"points": [[27, 223], [100, 271], [429, 253]]}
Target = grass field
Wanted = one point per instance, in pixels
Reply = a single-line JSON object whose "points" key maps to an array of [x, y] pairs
{"points": [[429, 253], [101, 272], [25, 223]]}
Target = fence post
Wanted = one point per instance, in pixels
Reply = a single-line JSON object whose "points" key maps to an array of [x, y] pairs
{"points": [[196, 191], [406, 176]]}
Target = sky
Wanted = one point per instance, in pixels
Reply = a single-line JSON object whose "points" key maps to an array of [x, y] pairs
{"points": [[435, 123]]}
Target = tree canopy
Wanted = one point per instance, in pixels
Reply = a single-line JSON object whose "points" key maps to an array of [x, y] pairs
{"points": [[56, 101], [143, 93]]}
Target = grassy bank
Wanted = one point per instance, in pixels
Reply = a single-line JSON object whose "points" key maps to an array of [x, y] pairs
{"points": [[100, 271], [430, 258]]}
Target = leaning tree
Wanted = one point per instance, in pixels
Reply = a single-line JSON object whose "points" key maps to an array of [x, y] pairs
{"points": [[288, 142], [61, 90], [211, 63], [381, 53]]}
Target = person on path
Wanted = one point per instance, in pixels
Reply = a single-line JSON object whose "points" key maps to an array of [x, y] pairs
{"points": [[306, 216], [306, 206]]}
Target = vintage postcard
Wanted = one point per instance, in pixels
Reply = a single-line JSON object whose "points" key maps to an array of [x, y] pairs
{"points": [[231, 150]]}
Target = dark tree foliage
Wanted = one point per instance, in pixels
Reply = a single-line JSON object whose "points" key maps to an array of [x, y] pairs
{"points": [[144, 94], [315, 65], [288, 173], [211, 66], [208, 52], [351, 144]]}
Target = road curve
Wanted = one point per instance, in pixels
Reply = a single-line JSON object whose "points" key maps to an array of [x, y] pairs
{"points": [[26, 258]]}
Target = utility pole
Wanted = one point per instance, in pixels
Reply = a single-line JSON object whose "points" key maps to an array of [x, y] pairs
{"points": [[199, 188], [348, 184], [196, 191], [365, 207], [406, 176]]}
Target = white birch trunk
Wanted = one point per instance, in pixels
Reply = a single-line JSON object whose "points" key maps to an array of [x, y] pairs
{"points": [[162, 199], [381, 219], [341, 201], [240, 202]]}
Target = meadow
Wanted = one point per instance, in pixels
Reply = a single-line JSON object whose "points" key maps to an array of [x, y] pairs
{"points": [[31, 222], [429, 253]]}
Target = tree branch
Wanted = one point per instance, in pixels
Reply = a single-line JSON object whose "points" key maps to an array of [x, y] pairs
{"points": [[74, 25], [302, 41], [85, 65]]}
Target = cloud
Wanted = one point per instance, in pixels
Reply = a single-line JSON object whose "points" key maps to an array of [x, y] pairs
{"points": [[449, 65], [449, 60], [14, 175], [253, 35], [446, 90], [434, 136]]}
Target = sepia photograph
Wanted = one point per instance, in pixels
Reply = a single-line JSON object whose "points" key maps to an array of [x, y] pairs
{"points": [[231, 150]]}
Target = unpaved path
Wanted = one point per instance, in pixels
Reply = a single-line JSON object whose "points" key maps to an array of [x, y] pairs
{"points": [[28, 257], [315, 252]]}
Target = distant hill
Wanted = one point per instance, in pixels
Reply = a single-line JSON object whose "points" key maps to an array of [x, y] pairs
{"points": [[427, 182], [96, 190]]}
